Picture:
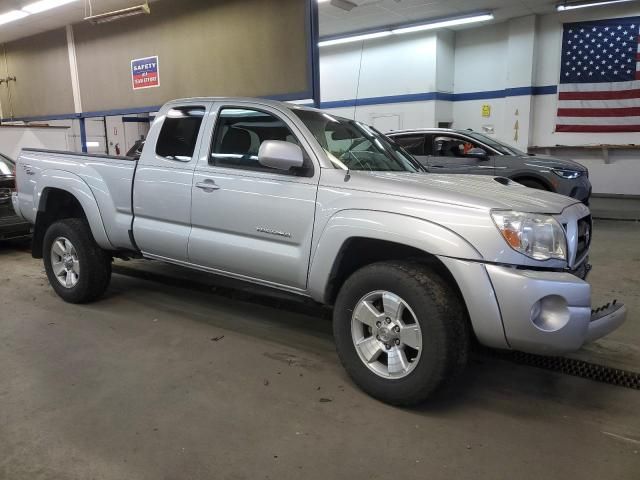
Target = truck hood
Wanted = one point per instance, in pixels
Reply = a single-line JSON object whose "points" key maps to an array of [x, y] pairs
{"points": [[473, 191]]}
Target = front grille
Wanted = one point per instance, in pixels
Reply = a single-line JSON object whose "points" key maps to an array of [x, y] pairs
{"points": [[584, 237]]}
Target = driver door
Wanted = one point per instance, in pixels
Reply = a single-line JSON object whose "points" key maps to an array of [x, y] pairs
{"points": [[248, 220], [454, 154]]}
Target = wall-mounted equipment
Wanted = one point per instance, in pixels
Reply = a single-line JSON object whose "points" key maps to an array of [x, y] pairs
{"points": [[105, 17], [7, 80]]}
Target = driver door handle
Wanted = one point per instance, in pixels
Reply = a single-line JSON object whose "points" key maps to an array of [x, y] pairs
{"points": [[208, 185]]}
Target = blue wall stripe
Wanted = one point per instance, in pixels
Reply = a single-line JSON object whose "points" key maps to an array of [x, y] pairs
{"points": [[411, 97], [545, 90], [451, 97]]}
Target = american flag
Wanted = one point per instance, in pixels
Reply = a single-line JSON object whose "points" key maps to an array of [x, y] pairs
{"points": [[600, 77]]}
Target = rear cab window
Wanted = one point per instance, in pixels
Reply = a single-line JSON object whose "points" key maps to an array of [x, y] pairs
{"points": [[179, 133]]}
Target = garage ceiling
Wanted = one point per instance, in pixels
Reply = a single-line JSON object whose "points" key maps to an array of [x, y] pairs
{"points": [[333, 20], [376, 13], [55, 18]]}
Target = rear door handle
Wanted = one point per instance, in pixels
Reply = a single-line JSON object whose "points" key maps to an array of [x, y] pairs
{"points": [[208, 185]]}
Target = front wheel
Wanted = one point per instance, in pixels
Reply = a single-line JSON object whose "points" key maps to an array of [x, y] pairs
{"points": [[77, 268], [399, 330]]}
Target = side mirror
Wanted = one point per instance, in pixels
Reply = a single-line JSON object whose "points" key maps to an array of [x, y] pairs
{"points": [[478, 153], [280, 155]]}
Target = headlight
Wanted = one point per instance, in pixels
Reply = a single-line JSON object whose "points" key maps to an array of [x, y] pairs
{"points": [[571, 174], [538, 236]]}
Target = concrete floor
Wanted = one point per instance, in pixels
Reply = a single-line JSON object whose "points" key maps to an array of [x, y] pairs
{"points": [[616, 207], [158, 381]]}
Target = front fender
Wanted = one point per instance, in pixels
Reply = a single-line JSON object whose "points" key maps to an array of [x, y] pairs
{"points": [[77, 187], [405, 230]]}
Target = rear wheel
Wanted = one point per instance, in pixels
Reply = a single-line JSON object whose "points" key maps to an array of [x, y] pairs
{"points": [[77, 268], [400, 332]]}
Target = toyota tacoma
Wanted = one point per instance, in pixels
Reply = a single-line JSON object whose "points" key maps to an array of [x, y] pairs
{"points": [[415, 265]]}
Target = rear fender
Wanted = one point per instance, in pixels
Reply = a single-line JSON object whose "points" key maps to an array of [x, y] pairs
{"points": [[73, 184]]}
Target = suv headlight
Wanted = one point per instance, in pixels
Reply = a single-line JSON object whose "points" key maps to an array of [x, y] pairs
{"points": [[538, 236], [564, 173]]}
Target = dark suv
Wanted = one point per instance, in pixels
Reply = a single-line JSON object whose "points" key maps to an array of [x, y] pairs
{"points": [[11, 226], [442, 150]]}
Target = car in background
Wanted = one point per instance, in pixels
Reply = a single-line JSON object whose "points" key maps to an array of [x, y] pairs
{"points": [[11, 225], [443, 150]]}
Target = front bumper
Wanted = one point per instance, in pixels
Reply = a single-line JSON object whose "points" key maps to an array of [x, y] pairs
{"points": [[549, 312], [579, 188]]}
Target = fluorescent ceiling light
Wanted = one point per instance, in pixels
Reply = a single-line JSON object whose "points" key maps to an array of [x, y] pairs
{"points": [[11, 16], [355, 38], [572, 6], [43, 5], [444, 23], [450, 22]]}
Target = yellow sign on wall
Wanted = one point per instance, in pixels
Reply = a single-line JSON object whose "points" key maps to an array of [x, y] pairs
{"points": [[486, 110]]}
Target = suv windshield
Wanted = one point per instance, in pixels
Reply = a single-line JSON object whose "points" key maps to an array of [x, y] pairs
{"points": [[499, 146], [351, 145]]}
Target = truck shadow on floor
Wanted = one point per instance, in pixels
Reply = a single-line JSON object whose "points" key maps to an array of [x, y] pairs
{"points": [[488, 376], [18, 244]]}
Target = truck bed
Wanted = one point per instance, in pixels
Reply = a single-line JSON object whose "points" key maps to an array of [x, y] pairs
{"points": [[104, 179]]}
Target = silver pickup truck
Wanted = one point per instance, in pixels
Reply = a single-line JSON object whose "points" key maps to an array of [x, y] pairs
{"points": [[415, 265]]}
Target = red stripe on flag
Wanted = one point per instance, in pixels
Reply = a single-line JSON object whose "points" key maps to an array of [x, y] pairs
{"points": [[599, 112], [598, 128], [638, 56], [601, 95], [637, 75]]}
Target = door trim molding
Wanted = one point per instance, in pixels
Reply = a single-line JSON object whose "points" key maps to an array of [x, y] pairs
{"points": [[237, 276]]}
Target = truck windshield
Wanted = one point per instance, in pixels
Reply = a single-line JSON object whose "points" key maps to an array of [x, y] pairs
{"points": [[352, 145]]}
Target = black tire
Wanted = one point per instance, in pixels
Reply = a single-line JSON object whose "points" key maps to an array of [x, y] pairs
{"points": [[532, 183], [95, 263], [443, 324]]}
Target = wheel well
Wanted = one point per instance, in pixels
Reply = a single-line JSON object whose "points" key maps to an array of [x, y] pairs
{"points": [[357, 252], [541, 181], [55, 204]]}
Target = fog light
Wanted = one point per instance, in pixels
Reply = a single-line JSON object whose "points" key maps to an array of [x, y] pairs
{"points": [[550, 313]]}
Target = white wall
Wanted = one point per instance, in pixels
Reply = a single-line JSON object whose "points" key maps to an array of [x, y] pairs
{"points": [[390, 66], [14, 138], [480, 59], [382, 68], [409, 114]]}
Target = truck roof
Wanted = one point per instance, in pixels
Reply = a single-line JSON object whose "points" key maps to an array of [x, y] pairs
{"points": [[260, 101], [428, 129]]}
